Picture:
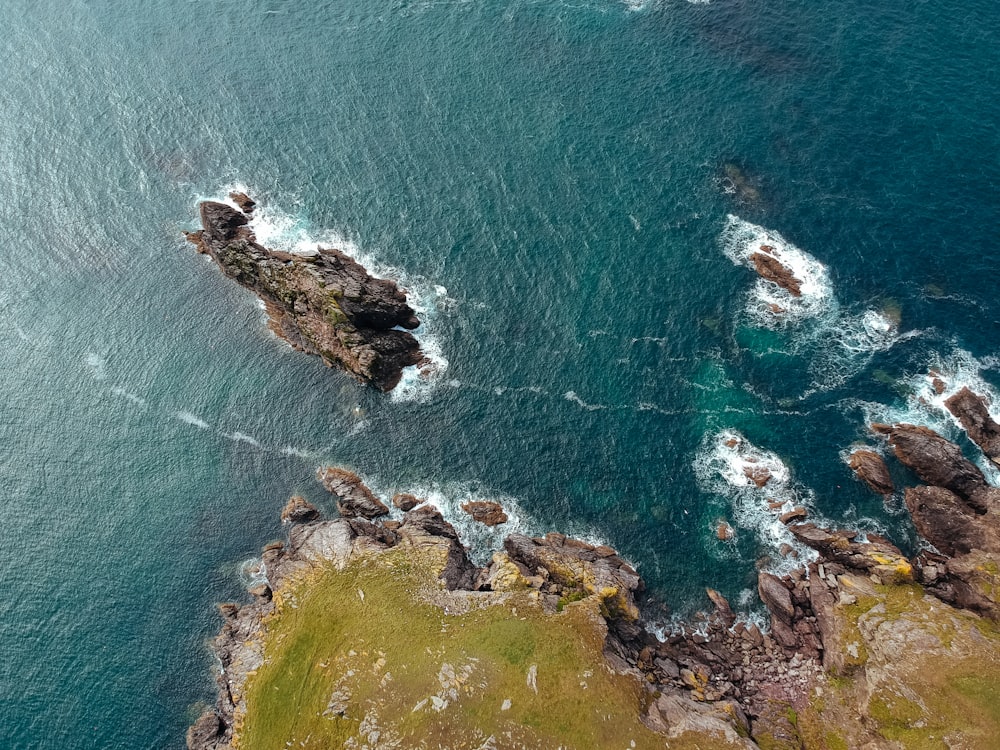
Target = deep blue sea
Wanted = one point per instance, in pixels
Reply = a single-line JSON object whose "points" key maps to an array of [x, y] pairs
{"points": [[568, 190]]}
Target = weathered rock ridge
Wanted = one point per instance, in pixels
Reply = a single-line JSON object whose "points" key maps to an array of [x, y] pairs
{"points": [[324, 303]]}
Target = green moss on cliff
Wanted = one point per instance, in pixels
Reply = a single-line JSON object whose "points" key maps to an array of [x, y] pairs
{"points": [[356, 652]]}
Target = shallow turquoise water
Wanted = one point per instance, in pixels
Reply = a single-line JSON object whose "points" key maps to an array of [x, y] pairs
{"points": [[557, 170]]}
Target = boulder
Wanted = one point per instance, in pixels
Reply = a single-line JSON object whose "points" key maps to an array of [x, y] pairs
{"points": [[870, 468], [970, 409], [207, 732], [485, 512], [772, 269], [759, 475], [405, 501], [353, 496], [244, 201], [299, 510], [795, 514], [775, 596]]}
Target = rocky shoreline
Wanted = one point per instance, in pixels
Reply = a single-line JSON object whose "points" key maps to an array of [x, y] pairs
{"points": [[866, 648], [322, 303]]}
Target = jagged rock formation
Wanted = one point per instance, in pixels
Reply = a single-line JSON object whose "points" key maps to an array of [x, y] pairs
{"points": [[769, 268], [970, 409], [324, 303]]}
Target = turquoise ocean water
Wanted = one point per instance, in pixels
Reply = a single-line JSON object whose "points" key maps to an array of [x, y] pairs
{"points": [[549, 181]]}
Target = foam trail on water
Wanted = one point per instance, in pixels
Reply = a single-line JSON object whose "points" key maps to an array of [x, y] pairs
{"points": [[189, 418], [242, 437], [278, 229], [571, 396], [727, 465], [95, 363]]}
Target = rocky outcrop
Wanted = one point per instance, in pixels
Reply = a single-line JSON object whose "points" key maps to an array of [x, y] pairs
{"points": [[405, 501], [939, 462], [324, 303], [486, 512], [769, 268], [354, 499], [870, 468], [299, 510], [947, 522], [970, 409]]}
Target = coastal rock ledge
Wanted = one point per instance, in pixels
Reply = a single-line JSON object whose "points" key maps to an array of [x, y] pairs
{"points": [[322, 303], [380, 632]]}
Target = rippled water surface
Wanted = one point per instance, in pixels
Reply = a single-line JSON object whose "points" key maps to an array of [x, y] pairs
{"points": [[569, 191]]}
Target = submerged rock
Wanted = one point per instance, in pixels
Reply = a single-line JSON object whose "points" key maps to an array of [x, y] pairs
{"points": [[325, 303], [870, 468]]}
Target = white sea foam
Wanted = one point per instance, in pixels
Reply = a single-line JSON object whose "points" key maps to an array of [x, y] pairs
{"points": [[838, 344], [128, 396], [189, 418], [724, 466], [242, 437], [278, 229], [571, 396], [95, 363], [291, 450], [740, 240]]}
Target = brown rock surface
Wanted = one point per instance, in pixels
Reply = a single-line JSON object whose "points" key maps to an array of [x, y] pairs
{"points": [[299, 510], [772, 269], [325, 304], [405, 501], [353, 496], [944, 520], [970, 409], [870, 468], [485, 512], [939, 462]]}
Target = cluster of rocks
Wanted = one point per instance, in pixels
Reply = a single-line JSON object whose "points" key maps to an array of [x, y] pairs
{"points": [[322, 303]]}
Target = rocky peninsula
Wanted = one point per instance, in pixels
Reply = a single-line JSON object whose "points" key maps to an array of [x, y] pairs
{"points": [[322, 303], [379, 632]]}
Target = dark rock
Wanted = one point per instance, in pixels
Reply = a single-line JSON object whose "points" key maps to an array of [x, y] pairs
{"points": [[299, 510], [775, 596], [485, 512], [772, 269], [870, 468], [405, 501], [938, 462], [353, 497], [430, 520], [970, 409], [206, 732], [261, 591], [975, 582], [721, 607], [325, 304], [944, 520]]}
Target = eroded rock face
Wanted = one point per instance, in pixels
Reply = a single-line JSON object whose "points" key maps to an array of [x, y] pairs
{"points": [[870, 468], [944, 520], [772, 269], [939, 462], [353, 496], [970, 409], [405, 501], [877, 556], [325, 304], [486, 512]]}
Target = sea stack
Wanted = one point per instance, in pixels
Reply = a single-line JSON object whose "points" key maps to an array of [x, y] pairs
{"points": [[323, 303]]}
